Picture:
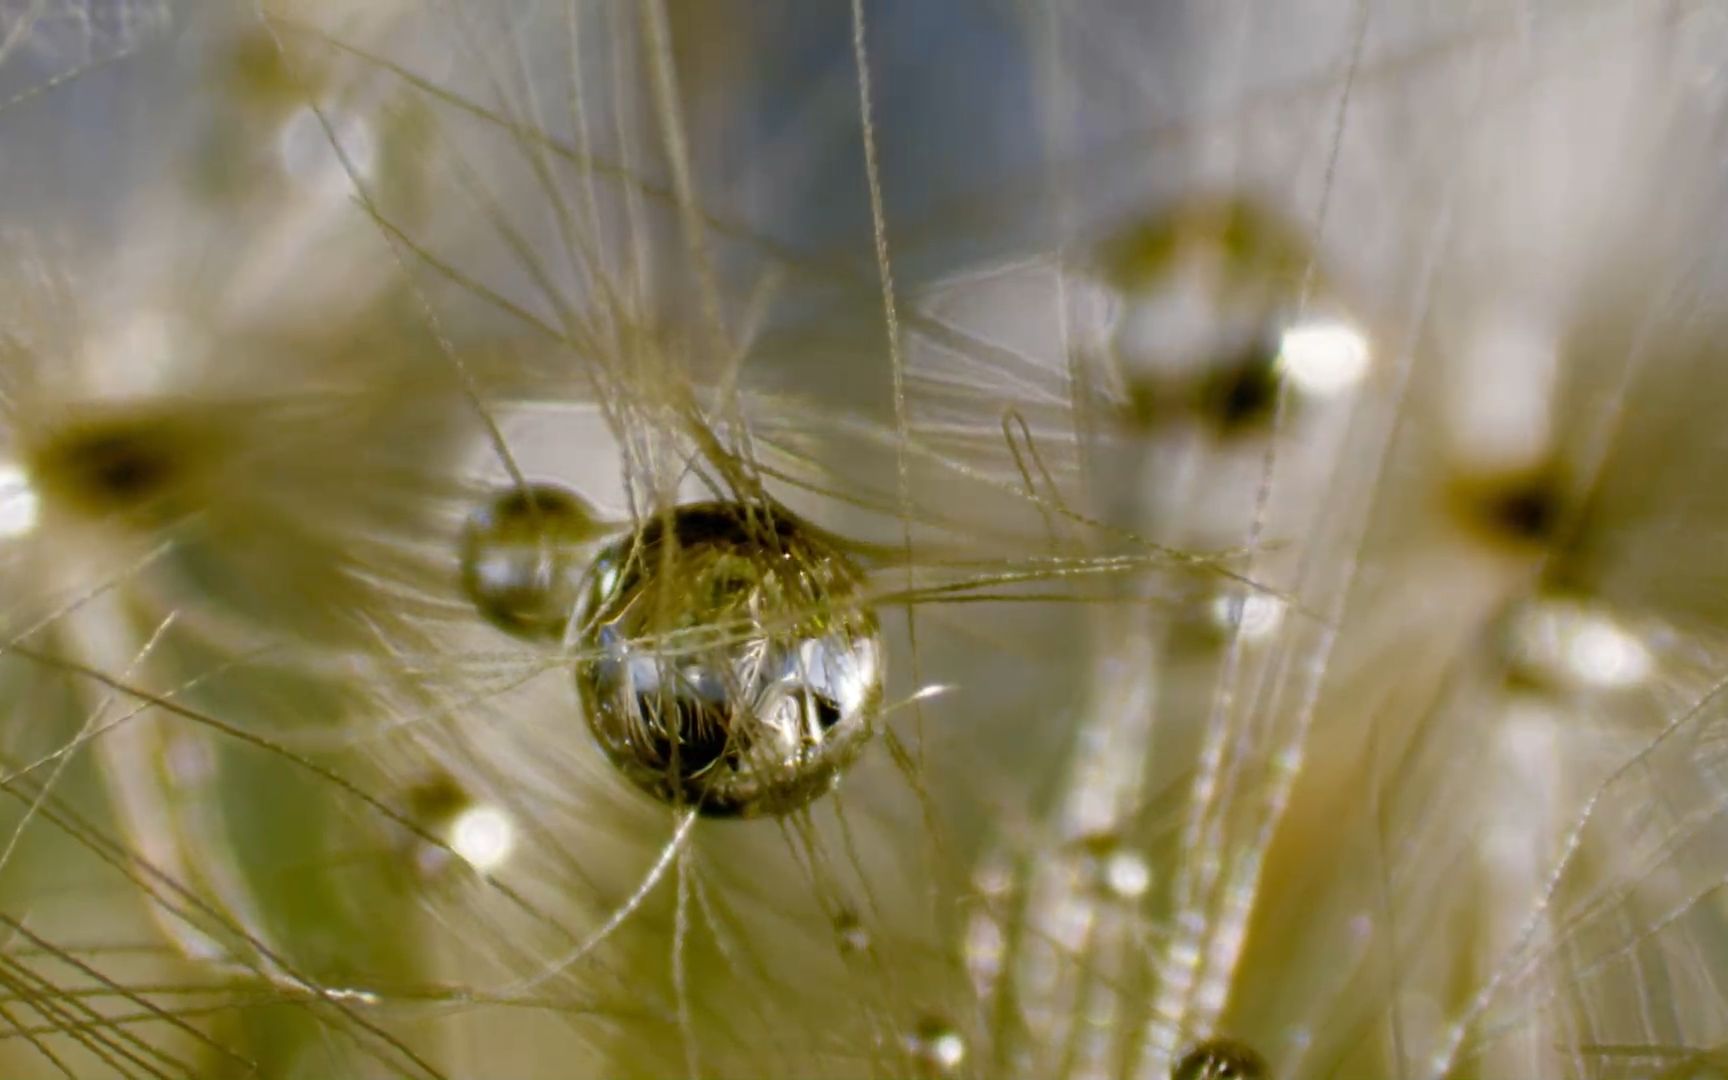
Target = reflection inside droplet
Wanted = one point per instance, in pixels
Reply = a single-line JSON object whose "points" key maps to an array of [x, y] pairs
{"points": [[18, 502], [1252, 615], [484, 836], [1220, 1059], [1323, 358], [304, 146], [1127, 874], [726, 662], [937, 1048]]}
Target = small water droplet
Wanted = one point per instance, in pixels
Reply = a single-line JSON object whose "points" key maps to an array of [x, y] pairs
{"points": [[854, 937], [994, 878], [1220, 1059], [1126, 874], [938, 1050], [985, 948], [522, 558], [1254, 616], [727, 662], [481, 834]]}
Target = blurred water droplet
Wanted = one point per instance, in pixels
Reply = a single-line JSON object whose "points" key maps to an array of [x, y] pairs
{"points": [[727, 663], [140, 464], [1567, 643], [1201, 320], [984, 949], [480, 833], [308, 156], [937, 1048], [994, 877], [1127, 874], [522, 559], [1254, 616], [483, 836], [1220, 1059], [854, 937]]}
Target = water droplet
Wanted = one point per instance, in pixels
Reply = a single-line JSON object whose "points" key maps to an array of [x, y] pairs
{"points": [[854, 937], [727, 661], [1253, 616], [1220, 1059], [1127, 875], [936, 1048], [985, 947], [309, 155], [1572, 643], [1199, 326], [482, 834], [522, 559], [994, 877]]}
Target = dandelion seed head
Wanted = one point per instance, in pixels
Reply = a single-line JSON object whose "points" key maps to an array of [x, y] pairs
{"points": [[682, 260]]}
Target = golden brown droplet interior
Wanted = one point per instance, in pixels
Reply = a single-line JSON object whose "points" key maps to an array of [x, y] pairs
{"points": [[132, 464], [1246, 242], [1518, 509]]}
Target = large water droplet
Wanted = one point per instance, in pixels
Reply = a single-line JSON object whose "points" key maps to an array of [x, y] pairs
{"points": [[522, 558], [728, 663]]}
